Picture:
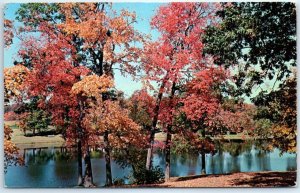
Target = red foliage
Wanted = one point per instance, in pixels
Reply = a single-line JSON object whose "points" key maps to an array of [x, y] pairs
{"points": [[201, 100], [53, 75], [11, 116], [177, 56]]}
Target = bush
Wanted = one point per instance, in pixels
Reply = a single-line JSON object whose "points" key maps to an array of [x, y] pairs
{"points": [[142, 176], [118, 182], [136, 158]]}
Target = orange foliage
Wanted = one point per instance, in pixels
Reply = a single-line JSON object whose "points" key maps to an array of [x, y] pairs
{"points": [[14, 77], [92, 86], [103, 30], [110, 116], [11, 152]]}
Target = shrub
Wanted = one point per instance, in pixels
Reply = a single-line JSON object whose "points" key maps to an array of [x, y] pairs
{"points": [[136, 158], [142, 176]]}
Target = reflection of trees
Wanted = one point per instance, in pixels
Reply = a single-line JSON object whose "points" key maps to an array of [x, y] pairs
{"points": [[236, 148], [262, 145], [291, 164], [217, 163], [38, 156], [248, 159]]}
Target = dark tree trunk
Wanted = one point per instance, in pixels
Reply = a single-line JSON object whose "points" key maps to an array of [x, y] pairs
{"points": [[107, 160], [150, 150], [203, 171], [98, 62], [88, 175], [169, 138], [87, 180], [79, 162], [154, 123]]}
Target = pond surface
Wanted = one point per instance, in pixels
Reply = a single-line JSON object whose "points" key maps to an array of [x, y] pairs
{"points": [[57, 167]]}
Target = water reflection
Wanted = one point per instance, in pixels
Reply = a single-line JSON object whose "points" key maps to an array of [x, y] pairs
{"points": [[57, 167]]}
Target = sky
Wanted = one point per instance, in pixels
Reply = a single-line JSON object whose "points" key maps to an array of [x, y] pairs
{"points": [[144, 12]]}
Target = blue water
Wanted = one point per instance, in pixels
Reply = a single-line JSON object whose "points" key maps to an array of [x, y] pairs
{"points": [[52, 167]]}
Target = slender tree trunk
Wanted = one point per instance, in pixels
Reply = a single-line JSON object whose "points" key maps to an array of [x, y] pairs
{"points": [[87, 180], [150, 150], [79, 162], [154, 123], [168, 156], [107, 160], [88, 176], [98, 62], [24, 154], [203, 171], [169, 138]]}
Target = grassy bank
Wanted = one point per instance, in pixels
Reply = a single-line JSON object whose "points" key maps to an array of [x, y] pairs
{"points": [[33, 142], [57, 140]]}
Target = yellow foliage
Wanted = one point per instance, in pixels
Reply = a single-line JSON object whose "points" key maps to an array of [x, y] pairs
{"points": [[92, 86], [285, 138], [14, 78], [110, 116]]}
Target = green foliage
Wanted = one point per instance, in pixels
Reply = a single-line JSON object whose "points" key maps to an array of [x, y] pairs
{"points": [[258, 34], [118, 181], [32, 14], [143, 176], [263, 128], [37, 120], [181, 145], [136, 158], [280, 108]]}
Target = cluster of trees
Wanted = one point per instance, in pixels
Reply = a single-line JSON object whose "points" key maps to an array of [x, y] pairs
{"points": [[197, 71]]}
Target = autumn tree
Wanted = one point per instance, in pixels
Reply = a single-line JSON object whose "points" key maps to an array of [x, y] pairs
{"points": [[175, 57], [52, 77], [11, 151], [95, 33], [100, 116], [200, 104]]}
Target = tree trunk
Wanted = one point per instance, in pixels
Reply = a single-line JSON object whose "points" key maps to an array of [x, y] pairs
{"points": [[79, 160], [88, 175], [98, 62], [154, 122], [203, 171], [168, 156], [169, 138], [150, 150], [107, 160]]}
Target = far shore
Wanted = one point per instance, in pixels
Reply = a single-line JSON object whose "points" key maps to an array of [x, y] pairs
{"points": [[57, 140]]}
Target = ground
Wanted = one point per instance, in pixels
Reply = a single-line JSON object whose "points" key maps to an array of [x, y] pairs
{"points": [[251, 179]]}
